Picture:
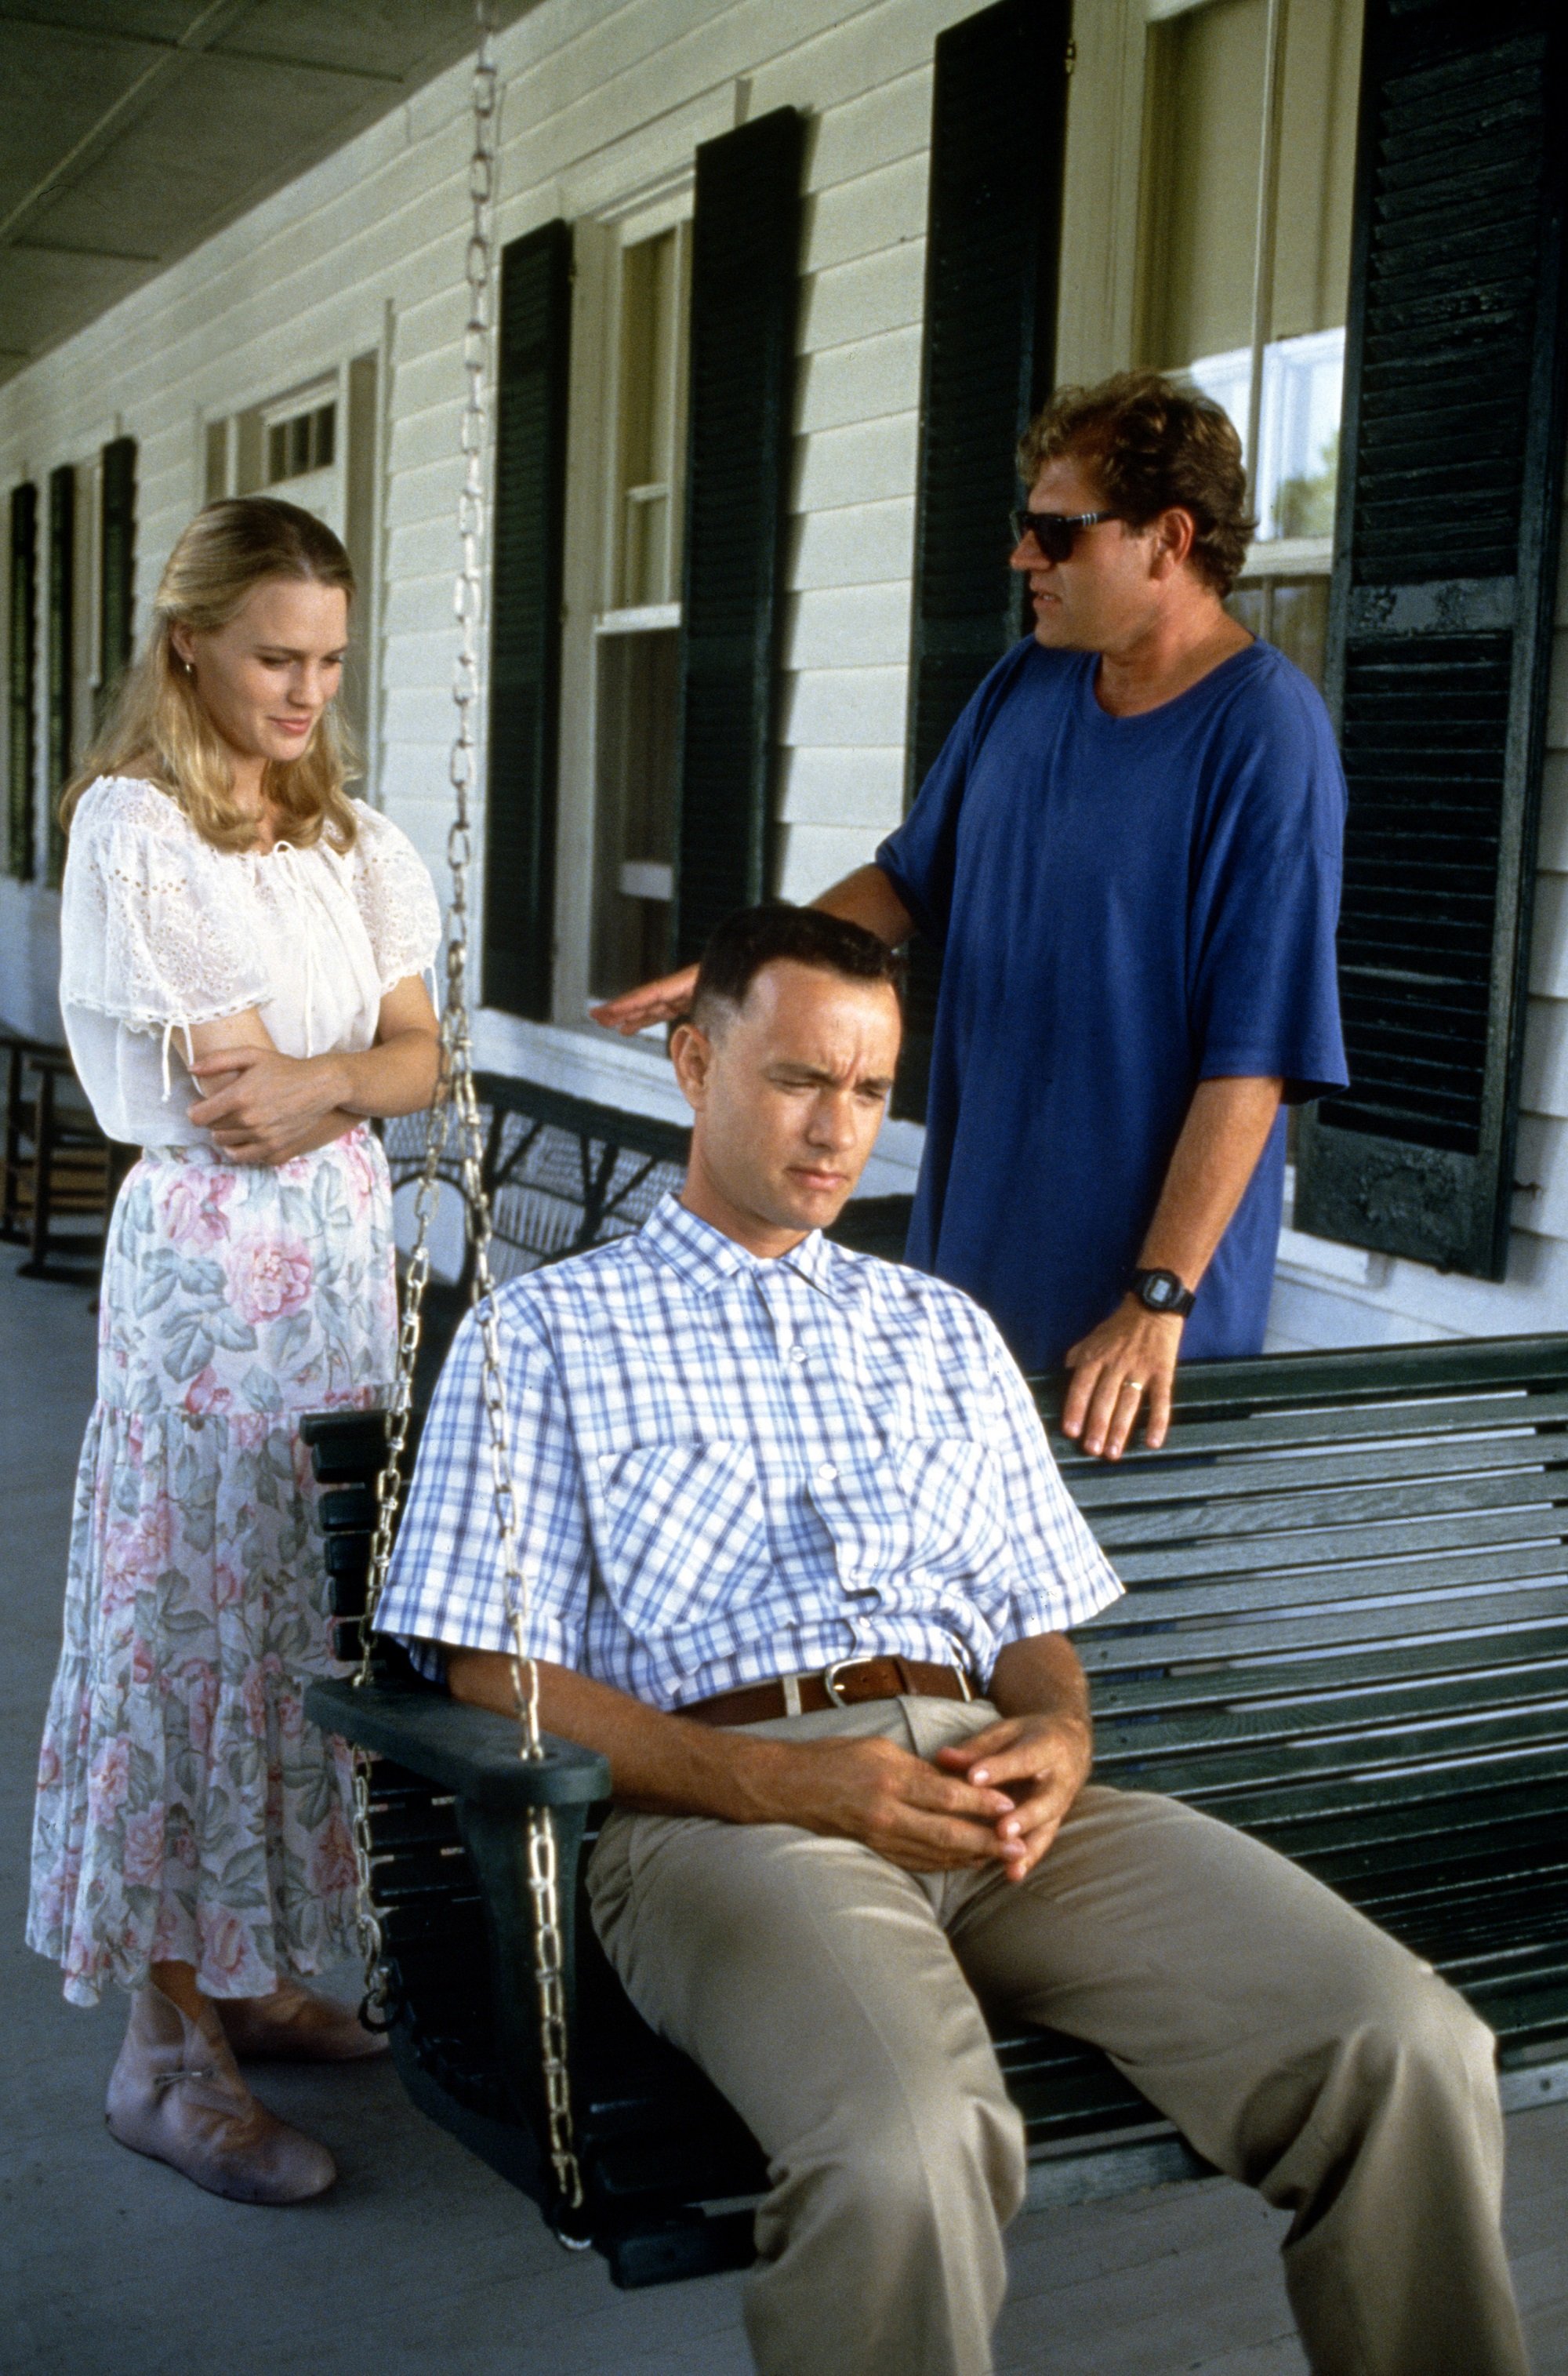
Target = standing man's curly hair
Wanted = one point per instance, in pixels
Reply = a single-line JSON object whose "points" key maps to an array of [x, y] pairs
{"points": [[1152, 446]]}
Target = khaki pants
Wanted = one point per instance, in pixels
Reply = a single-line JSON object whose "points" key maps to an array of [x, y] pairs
{"points": [[833, 1999]]}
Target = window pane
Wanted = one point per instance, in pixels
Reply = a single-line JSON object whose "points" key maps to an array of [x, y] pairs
{"points": [[638, 696], [1299, 622], [652, 347], [1202, 139]]}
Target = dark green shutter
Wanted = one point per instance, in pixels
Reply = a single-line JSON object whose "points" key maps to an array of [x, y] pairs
{"points": [[998, 132], [23, 687], [745, 279], [116, 564], [60, 613], [1439, 634], [525, 663]]}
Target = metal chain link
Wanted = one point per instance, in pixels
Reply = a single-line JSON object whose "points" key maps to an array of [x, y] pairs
{"points": [[457, 1092]]}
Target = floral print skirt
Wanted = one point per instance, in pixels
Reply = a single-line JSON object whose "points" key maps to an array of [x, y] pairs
{"points": [[186, 1811]]}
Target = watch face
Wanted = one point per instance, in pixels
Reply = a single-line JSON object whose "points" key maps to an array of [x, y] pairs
{"points": [[1161, 1290]]}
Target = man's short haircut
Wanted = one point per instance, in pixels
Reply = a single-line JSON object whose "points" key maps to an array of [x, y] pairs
{"points": [[754, 937], [1151, 446]]}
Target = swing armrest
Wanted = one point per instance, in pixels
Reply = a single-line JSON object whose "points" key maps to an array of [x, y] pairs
{"points": [[471, 1751]]}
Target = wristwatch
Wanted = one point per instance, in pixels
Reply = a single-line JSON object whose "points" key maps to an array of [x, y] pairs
{"points": [[1162, 1292]]}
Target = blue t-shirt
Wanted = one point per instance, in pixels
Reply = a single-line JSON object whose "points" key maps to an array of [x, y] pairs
{"points": [[1125, 907]]}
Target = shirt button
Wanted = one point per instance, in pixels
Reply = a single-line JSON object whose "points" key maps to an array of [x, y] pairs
{"points": [[797, 1352], [826, 1474]]}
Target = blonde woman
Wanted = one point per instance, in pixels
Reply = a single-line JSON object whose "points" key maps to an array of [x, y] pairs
{"points": [[243, 949]]}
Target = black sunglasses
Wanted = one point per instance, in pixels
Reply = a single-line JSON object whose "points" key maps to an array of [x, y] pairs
{"points": [[1056, 533]]}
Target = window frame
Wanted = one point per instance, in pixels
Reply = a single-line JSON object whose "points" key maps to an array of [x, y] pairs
{"points": [[592, 555]]}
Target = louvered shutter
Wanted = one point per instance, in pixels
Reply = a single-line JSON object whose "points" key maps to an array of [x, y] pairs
{"points": [[60, 613], [22, 719], [117, 563], [1441, 620], [998, 134], [745, 277], [525, 665]]}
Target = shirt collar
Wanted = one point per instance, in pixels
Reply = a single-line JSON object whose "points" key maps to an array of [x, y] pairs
{"points": [[704, 1255]]}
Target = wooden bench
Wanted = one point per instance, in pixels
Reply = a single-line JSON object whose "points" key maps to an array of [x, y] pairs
{"points": [[1346, 1631], [56, 1163]]}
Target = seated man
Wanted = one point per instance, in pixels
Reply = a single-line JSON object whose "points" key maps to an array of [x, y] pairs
{"points": [[800, 1563]]}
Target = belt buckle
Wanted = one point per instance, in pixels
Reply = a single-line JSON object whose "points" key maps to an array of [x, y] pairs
{"points": [[831, 1687]]}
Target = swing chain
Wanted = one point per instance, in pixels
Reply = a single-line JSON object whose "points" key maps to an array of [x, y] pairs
{"points": [[456, 1093]]}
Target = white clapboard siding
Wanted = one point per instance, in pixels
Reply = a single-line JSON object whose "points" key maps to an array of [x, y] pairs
{"points": [[859, 544], [848, 626], [857, 787], [860, 382], [603, 104]]}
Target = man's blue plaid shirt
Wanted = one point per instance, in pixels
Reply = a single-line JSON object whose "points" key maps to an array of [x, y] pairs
{"points": [[729, 1469]]}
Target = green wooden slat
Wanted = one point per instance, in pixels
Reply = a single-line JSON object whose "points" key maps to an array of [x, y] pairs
{"points": [[1195, 1438], [1239, 1479], [1399, 1710], [1526, 1904], [1106, 1653], [1386, 1375], [1477, 1656], [1156, 1604], [1397, 1898], [1462, 1813], [1257, 1792], [1323, 1514], [1283, 1811], [1525, 2018], [1400, 1537]]}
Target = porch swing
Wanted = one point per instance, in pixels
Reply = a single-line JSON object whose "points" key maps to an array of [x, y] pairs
{"points": [[470, 1828], [1344, 1695]]}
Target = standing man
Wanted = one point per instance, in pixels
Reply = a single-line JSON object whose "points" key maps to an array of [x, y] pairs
{"points": [[1129, 854]]}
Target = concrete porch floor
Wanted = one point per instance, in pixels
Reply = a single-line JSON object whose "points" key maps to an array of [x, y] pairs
{"points": [[421, 2259]]}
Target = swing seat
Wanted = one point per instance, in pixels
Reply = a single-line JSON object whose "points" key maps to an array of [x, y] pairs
{"points": [[1346, 1632]]}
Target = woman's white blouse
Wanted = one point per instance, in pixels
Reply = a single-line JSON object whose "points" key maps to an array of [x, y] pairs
{"points": [[160, 931]]}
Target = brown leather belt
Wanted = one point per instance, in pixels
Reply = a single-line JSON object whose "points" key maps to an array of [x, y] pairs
{"points": [[844, 1684]]}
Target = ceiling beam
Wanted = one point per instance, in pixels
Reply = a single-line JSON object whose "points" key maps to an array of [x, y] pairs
{"points": [[114, 37], [203, 30], [23, 246]]}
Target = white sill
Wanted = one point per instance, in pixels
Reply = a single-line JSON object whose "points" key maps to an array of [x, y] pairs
{"points": [[642, 620]]}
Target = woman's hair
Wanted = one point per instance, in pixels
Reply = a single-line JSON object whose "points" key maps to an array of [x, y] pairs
{"points": [[157, 722], [1151, 446]]}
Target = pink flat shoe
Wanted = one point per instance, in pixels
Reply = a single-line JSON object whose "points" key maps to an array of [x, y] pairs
{"points": [[176, 2095], [294, 2025]]}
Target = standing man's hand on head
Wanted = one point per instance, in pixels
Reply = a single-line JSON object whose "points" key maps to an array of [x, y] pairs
{"points": [[865, 898]]}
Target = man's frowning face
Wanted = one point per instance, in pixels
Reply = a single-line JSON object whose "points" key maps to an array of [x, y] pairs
{"points": [[1110, 589], [788, 1090]]}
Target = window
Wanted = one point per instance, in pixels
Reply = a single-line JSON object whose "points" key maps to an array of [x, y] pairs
{"points": [[303, 443], [1243, 265], [295, 446], [636, 633]]}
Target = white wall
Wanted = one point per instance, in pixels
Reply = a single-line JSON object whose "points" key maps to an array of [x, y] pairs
{"points": [[603, 100]]}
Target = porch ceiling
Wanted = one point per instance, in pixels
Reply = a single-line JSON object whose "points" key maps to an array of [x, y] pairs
{"points": [[130, 130]]}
